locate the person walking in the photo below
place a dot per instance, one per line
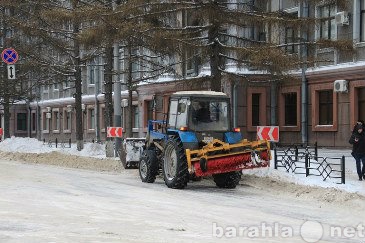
(357, 140)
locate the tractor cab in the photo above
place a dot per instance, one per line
(206, 113)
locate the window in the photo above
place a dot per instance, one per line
(206, 115)
(92, 72)
(34, 122)
(357, 100)
(325, 107)
(21, 121)
(327, 22)
(178, 113)
(290, 39)
(255, 110)
(67, 83)
(290, 100)
(91, 119)
(45, 119)
(136, 119)
(135, 63)
(56, 120)
(172, 112)
(67, 121)
(362, 20)
(149, 110)
(289, 108)
(192, 60)
(256, 105)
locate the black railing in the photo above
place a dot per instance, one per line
(58, 144)
(304, 159)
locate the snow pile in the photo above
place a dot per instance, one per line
(25, 145)
(32, 145)
(90, 150)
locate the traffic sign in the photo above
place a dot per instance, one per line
(270, 133)
(11, 71)
(114, 132)
(1, 131)
(9, 56)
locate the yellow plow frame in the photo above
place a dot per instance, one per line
(218, 149)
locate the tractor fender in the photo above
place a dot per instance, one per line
(188, 138)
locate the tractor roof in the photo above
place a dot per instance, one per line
(200, 93)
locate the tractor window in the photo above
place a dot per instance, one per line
(173, 113)
(178, 113)
(209, 115)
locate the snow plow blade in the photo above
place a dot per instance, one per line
(218, 157)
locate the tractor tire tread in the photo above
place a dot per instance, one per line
(182, 173)
(152, 166)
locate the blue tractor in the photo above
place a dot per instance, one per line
(197, 140)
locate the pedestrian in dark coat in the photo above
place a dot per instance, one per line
(357, 140)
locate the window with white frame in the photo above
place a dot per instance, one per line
(92, 72)
(67, 121)
(136, 116)
(327, 22)
(291, 37)
(45, 119)
(56, 121)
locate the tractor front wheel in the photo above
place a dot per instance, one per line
(227, 180)
(148, 166)
(175, 166)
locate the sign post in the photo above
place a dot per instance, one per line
(270, 133)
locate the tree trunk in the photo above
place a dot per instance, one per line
(108, 77)
(129, 130)
(78, 88)
(108, 86)
(6, 118)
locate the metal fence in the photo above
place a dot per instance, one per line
(58, 143)
(304, 159)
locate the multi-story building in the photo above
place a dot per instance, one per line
(335, 96)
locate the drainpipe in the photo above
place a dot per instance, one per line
(304, 100)
(273, 101)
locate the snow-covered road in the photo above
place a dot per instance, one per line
(41, 203)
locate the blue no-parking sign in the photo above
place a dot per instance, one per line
(9, 56)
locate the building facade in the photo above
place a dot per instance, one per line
(334, 101)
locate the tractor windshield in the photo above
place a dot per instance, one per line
(207, 115)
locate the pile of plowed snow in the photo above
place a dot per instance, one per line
(92, 157)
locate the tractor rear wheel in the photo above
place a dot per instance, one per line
(227, 180)
(175, 165)
(148, 166)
